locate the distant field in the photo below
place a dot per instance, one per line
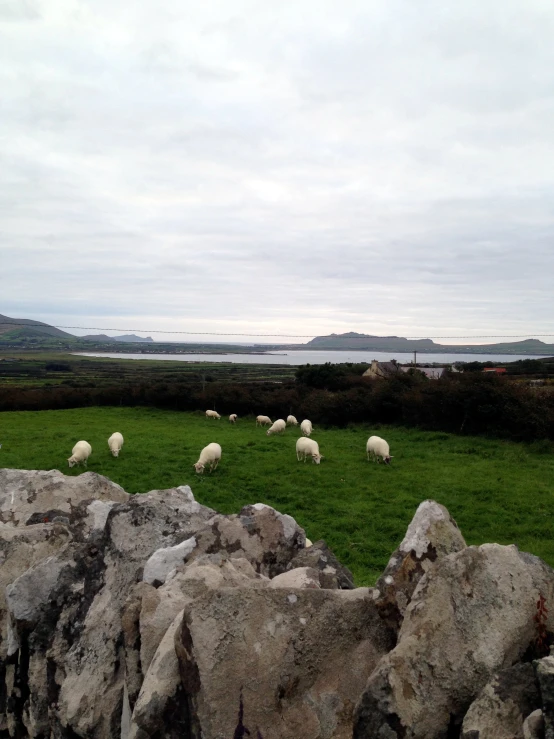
(51, 369)
(497, 491)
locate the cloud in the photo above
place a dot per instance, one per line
(303, 167)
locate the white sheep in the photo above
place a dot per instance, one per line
(378, 447)
(115, 442)
(308, 448)
(233, 418)
(210, 455)
(306, 427)
(213, 414)
(277, 427)
(80, 453)
(263, 421)
(291, 421)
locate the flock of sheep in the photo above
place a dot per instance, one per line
(211, 454)
(305, 447)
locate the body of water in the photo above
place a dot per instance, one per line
(292, 356)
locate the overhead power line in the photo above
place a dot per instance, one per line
(281, 336)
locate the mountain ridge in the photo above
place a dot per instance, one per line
(32, 331)
(352, 341)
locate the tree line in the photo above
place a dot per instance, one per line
(334, 395)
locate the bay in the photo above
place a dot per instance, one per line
(297, 357)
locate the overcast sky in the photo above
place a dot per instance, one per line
(302, 166)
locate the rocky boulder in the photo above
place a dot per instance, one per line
(470, 616)
(38, 496)
(278, 663)
(269, 540)
(161, 693)
(431, 535)
(501, 707)
(66, 585)
(533, 726)
(332, 574)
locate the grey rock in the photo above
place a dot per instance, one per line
(160, 605)
(268, 539)
(544, 670)
(469, 617)
(301, 577)
(160, 564)
(130, 625)
(37, 496)
(161, 709)
(90, 699)
(499, 710)
(69, 619)
(431, 535)
(31, 592)
(533, 726)
(20, 550)
(284, 663)
(332, 574)
(99, 511)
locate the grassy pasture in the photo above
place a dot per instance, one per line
(497, 491)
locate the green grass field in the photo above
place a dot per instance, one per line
(497, 491)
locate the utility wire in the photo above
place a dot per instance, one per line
(282, 336)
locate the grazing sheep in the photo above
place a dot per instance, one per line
(210, 455)
(263, 421)
(80, 453)
(378, 447)
(277, 427)
(115, 442)
(291, 421)
(306, 427)
(233, 418)
(213, 414)
(308, 448)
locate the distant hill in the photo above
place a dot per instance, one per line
(97, 337)
(22, 330)
(130, 338)
(352, 340)
(134, 338)
(8, 324)
(364, 342)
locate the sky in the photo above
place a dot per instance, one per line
(293, 167)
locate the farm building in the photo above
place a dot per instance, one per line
(382, 369)
(388, 369)
(498, 370)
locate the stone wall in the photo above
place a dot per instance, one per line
(152, 616)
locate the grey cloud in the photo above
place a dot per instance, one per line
(369, 166)
(18, 10)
